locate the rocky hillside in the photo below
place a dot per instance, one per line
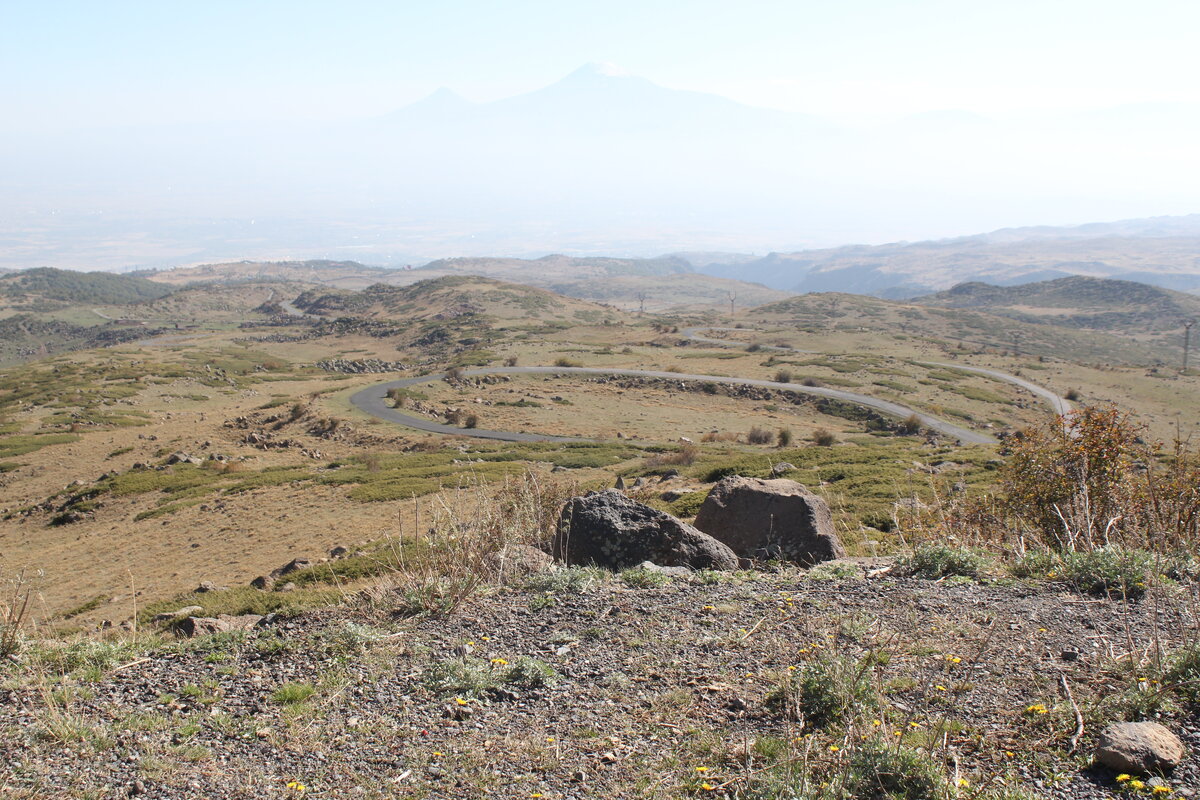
(1077, 301)
(34, 286)
(452, 297)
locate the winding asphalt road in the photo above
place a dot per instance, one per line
(1058, 404)
(373, 400)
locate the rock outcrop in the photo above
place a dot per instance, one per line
(770, 519)
(609, 530)
(1139, 748)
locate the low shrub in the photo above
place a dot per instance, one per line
(934, 561)
(827, 691)
(759, 435)
(897, 772)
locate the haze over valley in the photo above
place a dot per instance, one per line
(805, 411)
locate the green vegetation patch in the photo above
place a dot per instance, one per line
(20, 445)
(861, 481)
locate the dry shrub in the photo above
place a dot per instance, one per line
(471, 421)
(684, 456)
(719, 436)
(823, 438)
(759, 435)
(453, 416)
(14, 605)
(450, 555)
(1081, 483)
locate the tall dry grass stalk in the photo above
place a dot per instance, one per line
(14, 610)
(468, 540)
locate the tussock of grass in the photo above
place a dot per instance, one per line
(936, 561)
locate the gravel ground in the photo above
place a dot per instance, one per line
(651, 684)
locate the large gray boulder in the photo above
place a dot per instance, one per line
(770, 519)
(609, 530)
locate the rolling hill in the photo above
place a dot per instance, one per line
(656, 284)
(351, 274)
(1077, 302)
(1162, 251)
(453, 297)
(67, 286)
(970, 328)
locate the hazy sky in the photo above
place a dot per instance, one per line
(88, 62)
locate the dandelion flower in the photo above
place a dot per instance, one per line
(877, 722)
(940, 688)
(1136, 785)
(964, 783)
(1037, 708)
(701, 769)
(460, 701)
(499, 661)
(706, 786)
(1160, 789)
(833, 748)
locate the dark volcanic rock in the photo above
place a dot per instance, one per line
(770, 519)
(610, 530)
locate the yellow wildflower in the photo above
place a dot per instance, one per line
(499, 661)
(460, 701)
(1160, 789)
(1136, 785)
(701, 769)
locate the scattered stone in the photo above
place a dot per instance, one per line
(770, 519)
(671, 495)
(671, 572)
(290, 567)
(207, 586)
(519, 560)
(264, 582)
(782, 468)
(339, 552)
(1139, 748)
(222, 623)
(610, 530)
(290, 586)
(620, 484)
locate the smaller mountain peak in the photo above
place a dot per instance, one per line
(445, 96)
(597, 72)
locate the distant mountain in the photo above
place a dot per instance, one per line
(650, 284)
(452, 297)
(1077, 302)
(313, 271)
(68, 286)
(597, 162)
(1164, 251)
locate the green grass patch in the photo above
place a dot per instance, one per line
(21, 445)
